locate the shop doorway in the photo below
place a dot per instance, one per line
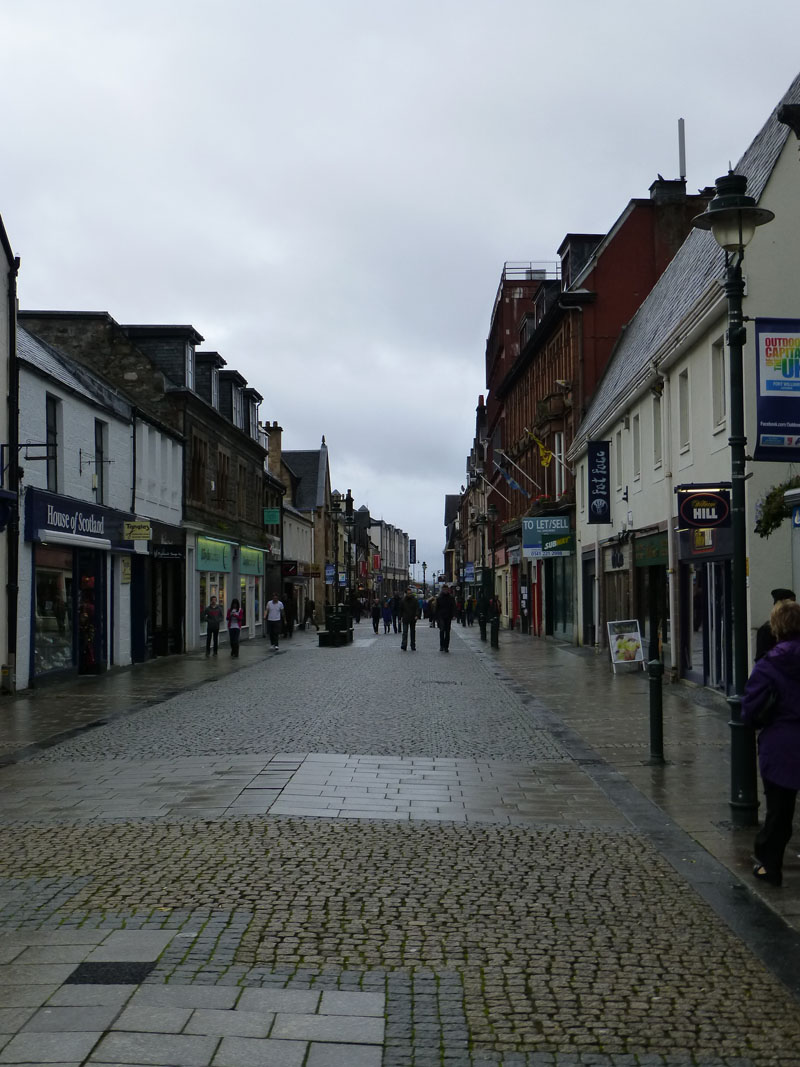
(91, 611)
(706, 645)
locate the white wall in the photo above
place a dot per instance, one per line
(159, 475)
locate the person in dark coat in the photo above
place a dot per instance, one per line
(212, 617)
(779, 740)
(396, 612)
(410, 612)
(386, 612)
(765, 639)
(445, 610)
(376, 615)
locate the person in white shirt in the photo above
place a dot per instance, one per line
(273, 617)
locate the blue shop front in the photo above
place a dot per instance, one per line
(79, 570)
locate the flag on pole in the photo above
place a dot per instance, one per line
(545, 455)
(511, 482)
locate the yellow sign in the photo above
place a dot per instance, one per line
(125, 570)
(136, 531)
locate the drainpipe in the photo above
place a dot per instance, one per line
(12, 530)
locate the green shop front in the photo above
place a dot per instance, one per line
(227, 570)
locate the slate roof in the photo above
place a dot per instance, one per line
(452, 503)
(310, 467)
(48, 360)
(698, 264)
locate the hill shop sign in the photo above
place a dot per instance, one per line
(703, 508)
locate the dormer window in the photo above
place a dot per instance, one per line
(237, 408)
(189, 366)
(254, 420)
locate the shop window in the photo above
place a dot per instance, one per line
(198, 469)
(558, 456)
(53, 619)
(223, 479)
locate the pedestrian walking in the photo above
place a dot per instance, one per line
(212, 617)
(771, 703)
(409, 613)
(396, 612)
(470, 611)
(386, 612)
(235, 619)
(445, 610)
(765, 638)
(273, 617)
(309, 618)
(376, 615)
(432, 612)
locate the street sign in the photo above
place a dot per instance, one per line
(272, 516)
(136, 531)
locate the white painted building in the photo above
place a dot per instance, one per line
(8, 502)
(663, 407)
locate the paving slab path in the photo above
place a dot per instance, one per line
(364, 856)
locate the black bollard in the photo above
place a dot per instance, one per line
(482, 624)
(655, 668)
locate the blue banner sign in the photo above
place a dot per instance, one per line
(778, 390)
(599, 481)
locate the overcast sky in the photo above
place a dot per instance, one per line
(327, 190)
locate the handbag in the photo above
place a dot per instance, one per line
(767, 710)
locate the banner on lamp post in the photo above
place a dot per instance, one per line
(777, 390)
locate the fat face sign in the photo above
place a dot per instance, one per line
(700, 508)
(599, 482)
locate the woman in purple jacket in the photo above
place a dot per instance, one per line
(779, 740)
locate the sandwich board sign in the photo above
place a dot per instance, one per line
(625, 643)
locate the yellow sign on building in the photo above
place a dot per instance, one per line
(136, 531)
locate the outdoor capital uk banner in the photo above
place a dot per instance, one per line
(777, 390)
(599, 479)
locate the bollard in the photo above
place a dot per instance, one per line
(495, 627)
(655, 668)
(482, 624)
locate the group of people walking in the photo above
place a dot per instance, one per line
(400, 614)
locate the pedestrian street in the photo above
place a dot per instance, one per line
(359, 856)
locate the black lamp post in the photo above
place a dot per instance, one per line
(336, 512)
(424, 569)
(494, 617)
(732, 217)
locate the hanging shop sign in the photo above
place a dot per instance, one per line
(124, 570)
(469, 573)
(703, 507)
(547, 536)
(213, 555)
(272, 516)
(777, 390)
(329, 573)
(412, 550)
(599, 465)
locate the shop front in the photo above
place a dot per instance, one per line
(251, 589)
(214, 576)
(157, 594)
(550, 541)
(73, 555)
(650, 564)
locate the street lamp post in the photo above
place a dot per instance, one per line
(336, 511)
(494, 618)
(424, 569)
(732, 217)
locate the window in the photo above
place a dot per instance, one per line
(719, 407)
(198, 469)
(683, 410)
(190, 366)
(100, 452)
(223, 479)
(237, 408)
(558, 463)
(52, 417)
(254, 420)
(215, 387)
(241, 491)
(657, 431)
(618, 454)
(637, 449)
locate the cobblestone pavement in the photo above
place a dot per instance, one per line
(361, 856)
